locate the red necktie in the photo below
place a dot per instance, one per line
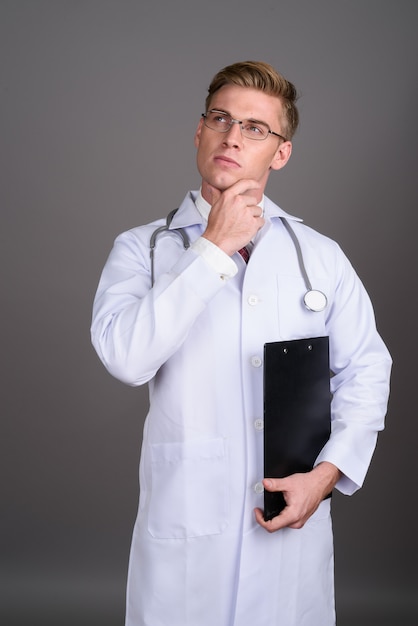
(244, 253)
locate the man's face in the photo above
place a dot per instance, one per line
(225, 158)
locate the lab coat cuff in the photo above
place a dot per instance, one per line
(215, 257)
(353, 473)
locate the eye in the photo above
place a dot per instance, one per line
(254, 128)
(219, 118)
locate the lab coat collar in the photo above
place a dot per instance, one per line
(272, 210)
(187, 214)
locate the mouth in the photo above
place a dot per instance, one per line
(221, 159)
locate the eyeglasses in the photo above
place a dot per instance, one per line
(251, 129)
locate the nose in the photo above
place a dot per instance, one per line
(233, 136)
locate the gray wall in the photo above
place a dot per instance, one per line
(99, 103)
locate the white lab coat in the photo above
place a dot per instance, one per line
(198, 557)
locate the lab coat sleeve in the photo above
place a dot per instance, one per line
(360, 364)
(136, 328)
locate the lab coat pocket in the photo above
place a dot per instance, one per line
(189, 489)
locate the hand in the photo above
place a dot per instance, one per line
(234, 218)
(303, 494)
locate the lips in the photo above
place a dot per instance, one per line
(221, 159)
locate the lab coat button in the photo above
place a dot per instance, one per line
(259, 424)
(256, 361)
(258, 487)
(253, 300)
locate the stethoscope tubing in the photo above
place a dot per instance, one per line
(314, 300)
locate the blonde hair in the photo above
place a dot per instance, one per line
(262, 76)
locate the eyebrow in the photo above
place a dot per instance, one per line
(249, 119)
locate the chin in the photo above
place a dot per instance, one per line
(222, 181)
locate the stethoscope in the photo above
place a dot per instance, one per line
(314, 300)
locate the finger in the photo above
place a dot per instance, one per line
(245, 187)
(280, 521)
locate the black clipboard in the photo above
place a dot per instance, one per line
(297, 410)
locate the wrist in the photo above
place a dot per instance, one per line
(327, 474)
(221, 244)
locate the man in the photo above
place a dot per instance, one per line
(193, 327)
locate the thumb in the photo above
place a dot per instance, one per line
(274, 484)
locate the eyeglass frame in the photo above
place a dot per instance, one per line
(234, 121)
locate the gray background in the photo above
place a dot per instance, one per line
(99, 103)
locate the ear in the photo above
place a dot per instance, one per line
(281, 156)
(198, 133)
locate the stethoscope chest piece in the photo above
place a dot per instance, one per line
(315, 300)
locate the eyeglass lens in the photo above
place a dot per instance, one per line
(222, 122)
